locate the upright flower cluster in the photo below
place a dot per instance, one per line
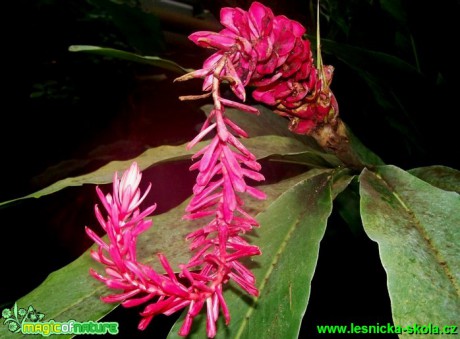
(269, 53)
(217, 258)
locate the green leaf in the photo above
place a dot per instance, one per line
(291, 229)
(443, 177)
(261, 147)
(347, 204)
(124, 55)
(342, 180)
(416, 226)
(310, 158)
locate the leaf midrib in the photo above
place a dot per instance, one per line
(418, 226)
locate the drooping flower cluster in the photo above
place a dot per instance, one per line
(255, 48)
(270, 53)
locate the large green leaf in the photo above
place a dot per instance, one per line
(289, 236)
(416, 226)
(443, 177)
(261, 147)
(310, 158)
(124, 55)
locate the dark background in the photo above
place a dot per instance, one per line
(66, 113)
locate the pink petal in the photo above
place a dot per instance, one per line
(256, 193)
(223, 304)
(266, 81)
(205, 161)
(236, 84)
(261, 17)
(226, 18)
(290, 67)
(236, 20)
(138, 301)
(297, 29)
(211, 320)
(210, 62)
(236, 128)
(200, 136)
(212, 40)
(248, 287)
(240, 106)
(234, 166)
(116, 298)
